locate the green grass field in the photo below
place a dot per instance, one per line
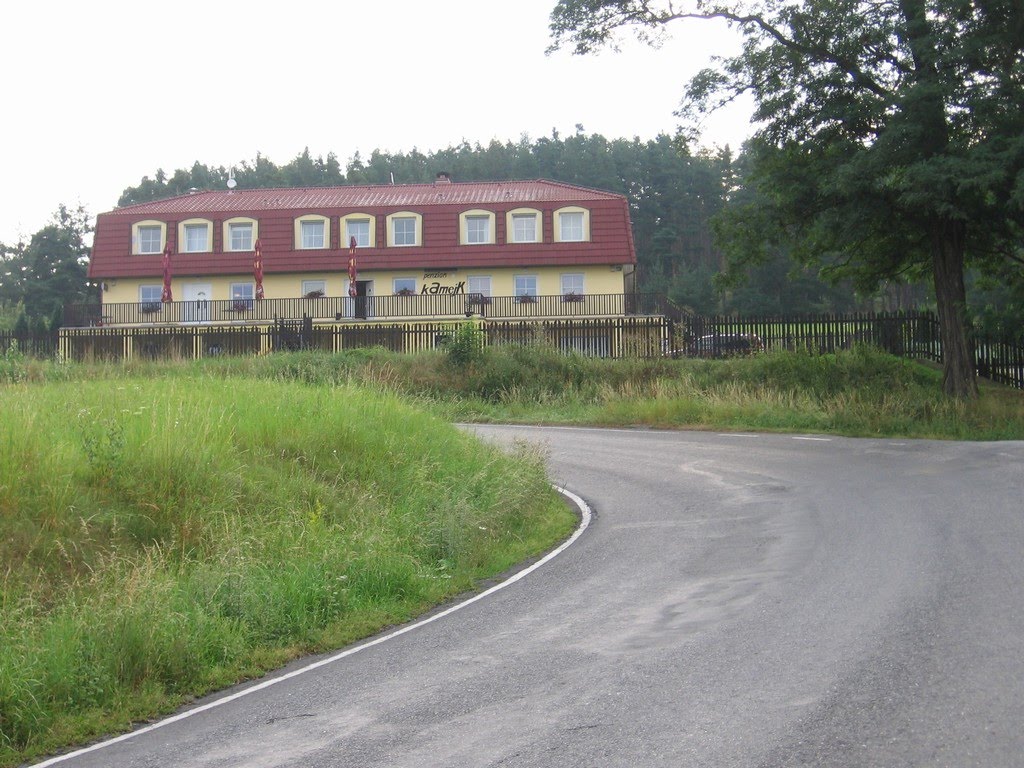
(166, 535)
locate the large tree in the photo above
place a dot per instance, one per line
(51, 269)
(890, 133)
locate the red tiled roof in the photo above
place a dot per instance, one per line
(439, 203)
(391, 195)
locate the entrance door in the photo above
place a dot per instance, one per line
(364, 290)
(197, 302)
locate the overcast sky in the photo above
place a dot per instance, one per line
(99, 94)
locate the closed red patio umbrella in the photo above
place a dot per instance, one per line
(166, 297)
(352, 291)
(257, 270)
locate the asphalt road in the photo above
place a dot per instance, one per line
(737, 600)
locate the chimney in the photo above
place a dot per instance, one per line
(443, 178)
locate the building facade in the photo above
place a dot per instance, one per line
(361, 265)
(523, 239)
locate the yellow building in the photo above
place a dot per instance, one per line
(524, 251)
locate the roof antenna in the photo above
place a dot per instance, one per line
(231, 180)
(392, 177)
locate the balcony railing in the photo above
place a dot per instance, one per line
(416, 306)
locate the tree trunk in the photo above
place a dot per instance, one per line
(958, 378)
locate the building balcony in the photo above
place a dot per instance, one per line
(367, 308)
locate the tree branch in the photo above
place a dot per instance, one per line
(818, 53)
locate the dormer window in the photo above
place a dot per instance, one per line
(312, 232)
(404, 229)
(240, 234)
(196, 240)
(361, 227)
(149, 237)
(572, 225)
(476, 227)
(522, 225)
(358, 230)
(195, 236)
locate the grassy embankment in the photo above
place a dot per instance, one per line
(170, 533)
(859, 393)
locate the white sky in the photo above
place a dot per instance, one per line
(99, 94)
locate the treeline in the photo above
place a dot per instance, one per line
(674, 196)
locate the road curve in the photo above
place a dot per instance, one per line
(739, 600)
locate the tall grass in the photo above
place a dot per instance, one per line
(855, 392)
(859, 392)
(164, 536)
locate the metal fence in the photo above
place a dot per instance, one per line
(381, 308)
(912, 334)
(906, 334)
(33, 346)
(597, 337)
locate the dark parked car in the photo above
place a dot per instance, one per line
(717, 345)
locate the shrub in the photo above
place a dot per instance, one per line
(465, 345)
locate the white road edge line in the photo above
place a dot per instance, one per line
(585, 518)
(818, 439)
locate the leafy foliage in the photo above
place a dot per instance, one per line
(40, 276)
(466, 345)
(891, 140)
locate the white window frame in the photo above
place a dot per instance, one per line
(475, 216)
(243, 292)
(565, 234)
(312, 218)
(398, 283)
(151, 297)
(361, 217)
(147, 242)
(517, 215)
(479, 284)
(309, 286)
(478, 230)
(196, 239)
(572, 282)
(229, 229)
(525, 285)
(404, 217)
(314, 235)
(363, 239)
(148, 227)
(240, 237)
(191, 226)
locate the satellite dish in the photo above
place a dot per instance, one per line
(232, 183)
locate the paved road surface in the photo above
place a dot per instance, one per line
(737, 601)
